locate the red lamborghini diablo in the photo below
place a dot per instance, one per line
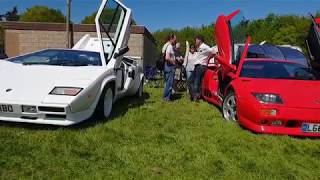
(266, 89)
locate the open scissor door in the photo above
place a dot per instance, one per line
(313, 42)
(113, 23)
(230, 32)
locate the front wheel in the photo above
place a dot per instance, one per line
(108, 103)
(229, 107)
(139, 93)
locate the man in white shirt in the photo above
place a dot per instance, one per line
(205, 53)
(169, 67)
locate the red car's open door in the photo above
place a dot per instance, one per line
(230, 33)
(313, 43)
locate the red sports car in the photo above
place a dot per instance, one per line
(266, 89)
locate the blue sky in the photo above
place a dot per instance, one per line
(158, 14)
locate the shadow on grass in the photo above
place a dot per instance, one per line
(176, 96)
(120, 108)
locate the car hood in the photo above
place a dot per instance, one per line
(34, 82)
(294, 93)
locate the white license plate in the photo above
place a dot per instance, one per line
(312, 128)
(6, 108)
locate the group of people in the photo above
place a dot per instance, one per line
(195, 63)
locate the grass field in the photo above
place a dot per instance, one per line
(150, 139)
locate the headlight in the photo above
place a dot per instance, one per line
(66, 91)
(268, 98)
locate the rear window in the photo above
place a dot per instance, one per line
(294, 55)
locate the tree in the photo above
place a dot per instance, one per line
(106, 16)
(12, 15)
(42, 14)
(185, 34)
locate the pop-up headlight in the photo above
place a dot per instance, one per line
(66, 91)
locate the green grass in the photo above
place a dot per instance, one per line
(151, 139)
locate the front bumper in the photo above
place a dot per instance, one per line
(52, 114)
(291, 118)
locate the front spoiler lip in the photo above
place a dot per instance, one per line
(40, 121)
(295, 131)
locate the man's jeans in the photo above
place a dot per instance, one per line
(169, 78)
(189, 73)
(199, 71)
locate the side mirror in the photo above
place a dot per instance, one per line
(121, 52)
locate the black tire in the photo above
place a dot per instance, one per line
(139, 93)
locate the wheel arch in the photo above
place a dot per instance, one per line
(108, 82)
(229, 88)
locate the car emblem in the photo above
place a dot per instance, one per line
(8, 90)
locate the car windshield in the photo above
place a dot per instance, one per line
(277, 70)
(59, 58)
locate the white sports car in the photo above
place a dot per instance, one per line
(66, 86)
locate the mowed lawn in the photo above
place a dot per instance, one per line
(151, 139)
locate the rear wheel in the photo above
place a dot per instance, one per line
(229, 107)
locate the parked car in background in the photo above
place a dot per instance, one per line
(67, 86)
(266, 89)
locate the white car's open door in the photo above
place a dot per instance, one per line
(113, 22)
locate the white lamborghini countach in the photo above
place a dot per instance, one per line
(67, 86)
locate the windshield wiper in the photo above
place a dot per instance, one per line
(35, 63)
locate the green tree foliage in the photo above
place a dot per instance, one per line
(185, 34)
(42, 14)
(287, 29)
(274, 29)
(106, 16)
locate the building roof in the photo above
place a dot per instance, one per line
(40, 26)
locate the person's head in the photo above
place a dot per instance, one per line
(177, 46)
(172, 38)
(192, 49)
(199, 40)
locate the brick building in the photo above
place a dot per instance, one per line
(23, 38)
